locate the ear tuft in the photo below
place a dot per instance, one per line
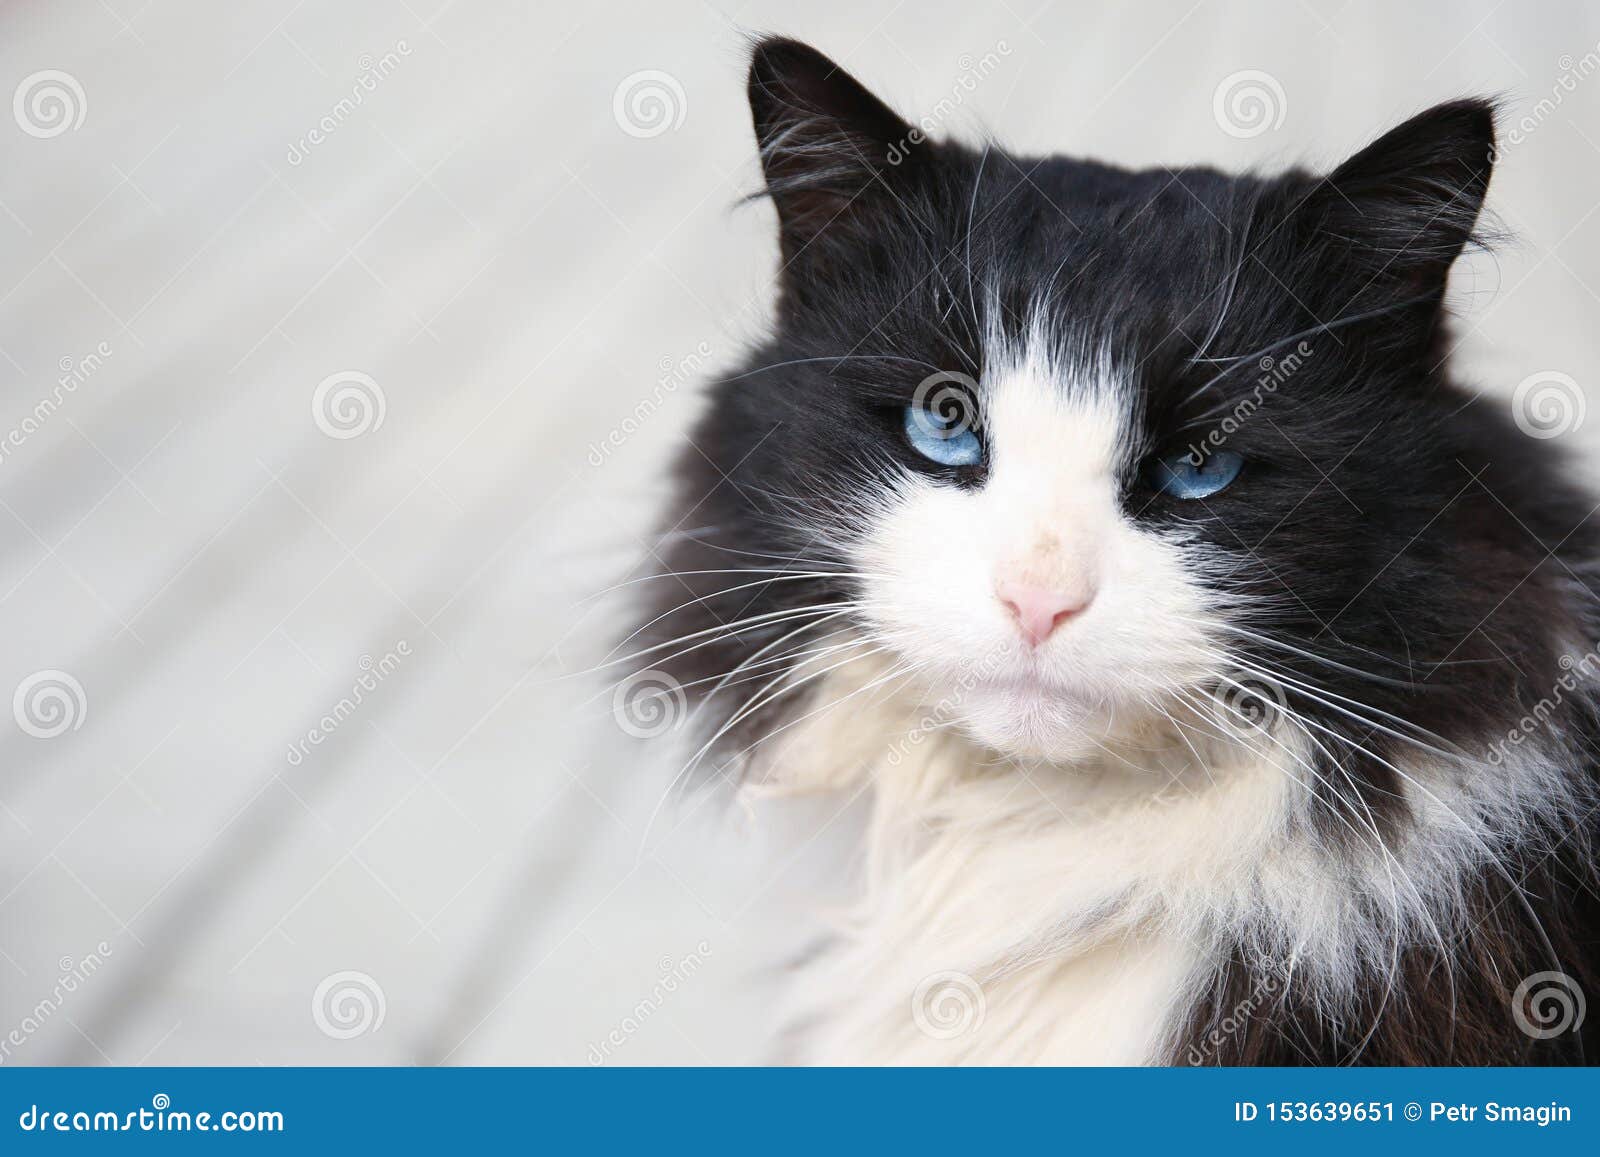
(824, 138)
(1403, 207)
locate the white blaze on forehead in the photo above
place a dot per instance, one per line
(1075, 427)
(1058, 435)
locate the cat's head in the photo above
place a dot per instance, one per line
(1068, 447)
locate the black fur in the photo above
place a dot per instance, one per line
(1407, 532)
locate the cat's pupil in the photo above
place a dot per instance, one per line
(948, 413)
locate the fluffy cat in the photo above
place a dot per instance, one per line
(1122, 533)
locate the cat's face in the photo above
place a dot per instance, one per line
(1076, 448)
(1031, 588)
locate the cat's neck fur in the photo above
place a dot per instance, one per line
(1080, 914)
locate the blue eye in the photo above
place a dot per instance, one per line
(947, 440)
(1178, 476)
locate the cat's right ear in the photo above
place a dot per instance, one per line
(829, 148)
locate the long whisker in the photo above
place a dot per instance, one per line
(836, 359)
(1236, 272)
(1490, 857)
(1516, 886)
(972, 208)
(754, 703)
(689, 603)
(1238, 360)
(1299, 759)
(779, 574)
(1390, 861)
(1280, 644)
(711, 635)
(900, 670)
(1325, 697)
(776, 642)
(782, 657)
(699, 536)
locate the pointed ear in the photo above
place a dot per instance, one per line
(825, 140)
(1400, 210)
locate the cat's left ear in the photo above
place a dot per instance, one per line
(829, 148)
(1398, 213)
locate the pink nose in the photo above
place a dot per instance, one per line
(1039, 610)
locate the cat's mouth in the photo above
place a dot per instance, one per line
(1034, 678)
(1031, 704)
(1030, 709)
(1041, 689)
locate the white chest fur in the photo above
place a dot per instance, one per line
(1047, 913)
(1105, 1005)
(1017, 914)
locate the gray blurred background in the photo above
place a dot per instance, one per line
(378, 323)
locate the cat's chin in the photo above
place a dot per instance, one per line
(1032, 723)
